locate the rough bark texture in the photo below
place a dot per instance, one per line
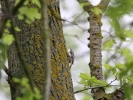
(61, 83)
(31, 41)
(95, 38)
(95, 49)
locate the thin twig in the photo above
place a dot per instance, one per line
(64, 20)
(3, 27)
(15, 9)
(78, 15)
(6, 15)
(93, 88)
(5, 69)
(97, 86)
(111, 82)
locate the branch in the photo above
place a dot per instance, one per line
(111, 82)
(19, 49)
(5, 16)
(3, 26)
(5, 69)
(85, 4)
(15, 9)
(97, 86)
(93, 88)
(46, 49)
(103, 4)
(83, 1)
(55, 14)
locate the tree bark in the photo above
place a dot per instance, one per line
(30, 40)
(95, 44)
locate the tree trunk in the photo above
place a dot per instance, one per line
(31, 42)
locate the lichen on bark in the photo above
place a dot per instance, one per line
(95, 64)
(31, 42)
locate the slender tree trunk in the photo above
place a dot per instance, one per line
(30, 40)
(95, 13)
(95, 38)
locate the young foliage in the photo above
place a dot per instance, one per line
(37, 2)
(89, 81)
(117, 10)
(128, 91)
(5, 42)
(29, 13)
(27, 92)
(7, 38)
(3, 56)
(108, 45)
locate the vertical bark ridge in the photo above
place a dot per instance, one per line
(61, 81)
(31, 41)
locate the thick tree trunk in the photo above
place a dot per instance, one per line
(31, 42)
(61, 82)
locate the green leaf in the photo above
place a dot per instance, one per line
(84, 76)
(26, 2)
(87, 97)
(3, 56)
(16, 2)
(20, 17)
(1, 64)
(8, 23)
(27, 92)
(130, 79)
(17, 29)
(6, 31)
(28, 21)
(37, 94)
(16, 80)
(93, 79)
(114, 71)
(24, 10)
(108, 45)
(116, 11)
(8, 38)
(30, 13)
(107, 66)
(84, 82)
(126, 52)
(128, 92)
(24, 82)
(101, 83)
(85, 79)
(128, 33)
(96, 82)
(119, 66)
(37, 2)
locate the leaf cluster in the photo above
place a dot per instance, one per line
(117, 10)
(29, 13)
(89, 81)
(26, 90)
